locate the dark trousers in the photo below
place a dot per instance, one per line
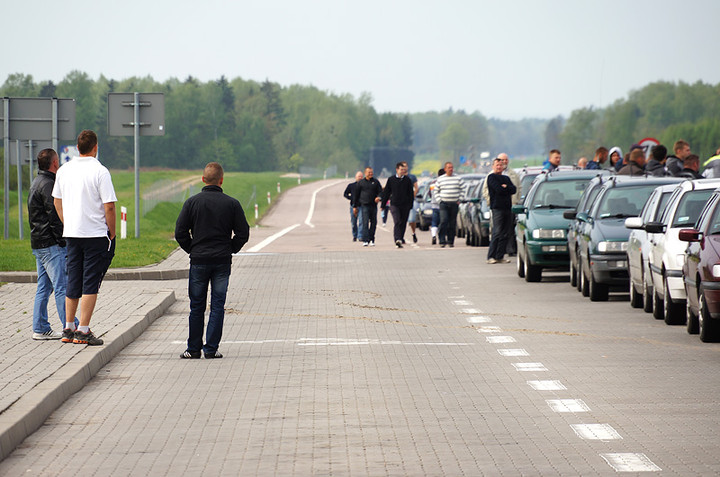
(217, 277)
(502, 221)
(448, 222)
(400, 218)
(367, 222)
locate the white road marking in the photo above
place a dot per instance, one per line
(596, 432)
(337, 342)
(489, 329)
(567, 405)
(529, 367)
(470, 311)
(500, 339)
(479, 319)
(547, 385)
(462, 303)
(513, 352)
(458, 296)
(630, 462)
(272, 238)
(311, 210)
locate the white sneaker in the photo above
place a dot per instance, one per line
(365, 244)
(372, 244)
(504, 260)
(48, 335)
(491, 260)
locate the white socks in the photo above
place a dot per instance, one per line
(70, 325)
(84, 329)
(433, 231)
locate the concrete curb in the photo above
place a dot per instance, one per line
(112, 274)
(28, 413)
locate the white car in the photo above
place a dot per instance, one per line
(641, 290)
(667, 254)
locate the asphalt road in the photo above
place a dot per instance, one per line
(344, 360)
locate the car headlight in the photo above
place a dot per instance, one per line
(486, 215)
(548, 233)
(427, 212)
(612, 247)
(716, 271)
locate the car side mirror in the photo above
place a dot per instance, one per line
(633, 223)
(655, 228)
(689, 235)
(584, 217)
(570, 214)
(519, 209)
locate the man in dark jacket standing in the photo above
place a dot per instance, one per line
(691, 168)
(211, 227)
(364, 202)
(501, 190)
(399, 190)
(656, 165)
(348, 194)
(636, 164)
(48, 246)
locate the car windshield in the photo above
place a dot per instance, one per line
(558, 194)
(689, 207)
(620, 202)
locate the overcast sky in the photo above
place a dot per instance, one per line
(506, 59)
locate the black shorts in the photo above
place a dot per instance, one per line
(87, 261)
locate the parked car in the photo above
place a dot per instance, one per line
(477, 223)
(592, 189)
(667, 253)
(701, 272)
(638, 253)
(541, 230)
(469, 190)
(424, 207)
(527, 175)
(602, 236)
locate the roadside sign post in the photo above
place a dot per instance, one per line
(136, 114)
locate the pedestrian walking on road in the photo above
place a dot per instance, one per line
(412, 218)
(399, 192)
(367, 196)
(448, 189)
(211, 227)
(48, 247)
(435, 206)
(85, 202)
(348, 194)
(501, 189)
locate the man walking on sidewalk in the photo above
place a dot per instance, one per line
(348, 194)
(85, 202)
(364, 202)
(211, 227)
(48, 246)
(448, 189)
(399, 190)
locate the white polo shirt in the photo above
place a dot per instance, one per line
(84, 185)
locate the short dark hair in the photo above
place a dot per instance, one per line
(441, 172)
(213, 173)
(399, 165)
(691, 159)
(86, 141)
(659, 152)
(554, 151)
(636, 154)
(45, 158)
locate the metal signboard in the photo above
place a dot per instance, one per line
(121, 114)
(35, 118)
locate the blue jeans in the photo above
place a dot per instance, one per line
(354, 222)
(217, 276)
(52, 276)
(367, 216)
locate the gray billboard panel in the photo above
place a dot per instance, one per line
(37, 146)
(32, 118)
(121, 114)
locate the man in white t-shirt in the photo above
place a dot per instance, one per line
(85, 202)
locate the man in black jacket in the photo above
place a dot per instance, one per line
(399, 190)
(501, 190)
(48, 246)
(367, 195)
(348, 194)
(211, 227)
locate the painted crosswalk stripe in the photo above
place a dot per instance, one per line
(489, 329)
(548, 385)
(630, 462)
(479, 319)
(597, 432)
(513, 352)
(500, 339)
(529, 366)
(568, 405)
(470, 311)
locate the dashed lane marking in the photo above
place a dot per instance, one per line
(630, 462)
(500, 339)
(479, 319)
(526, 367)
(568, 405)
(513, 352)
(597, 432)
(548, 385)
(489, 329)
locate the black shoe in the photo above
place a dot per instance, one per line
(398, 243)
(215, 355)
(442, 244)
(434, 240)
(414, 238)
(354, 239)
(88, 338)
(403, 241)
(451, 245)
(190, 355)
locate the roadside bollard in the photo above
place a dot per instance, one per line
(123, 222)
(278, 187)
(256, 211)
(298, 179)
(268, 198)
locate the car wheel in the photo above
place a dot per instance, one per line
(520, 266)
(636, 299)
(647, 296)
(533, 273)
(579, 274)
(708, 327)
(691, 318)
(583, 282)
(674, 312)
(598, 291)
(658, 308)
(468, 242)
(573, 276)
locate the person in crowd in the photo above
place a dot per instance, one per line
(84, 199)
(515, 179)
(367, 195)
(674, 163)
(635, 165)
(712, 165)
(210, 228)
(582, 163)
(448, 188)
(399, 192)
(553, 161)
(412, 218)
(656, 165)
(48, 247)
(615, 156)
(599, 159)
(348, 194)
(501, 189)
(435, 206)
(691, 168)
